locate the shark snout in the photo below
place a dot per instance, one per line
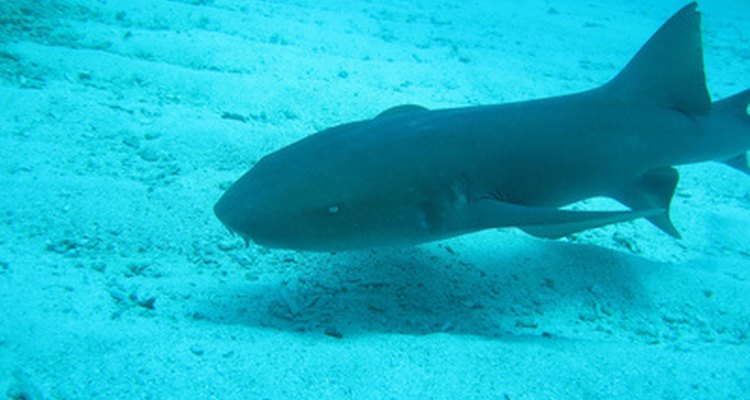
(251, 212)
(236, 211)
(225, 212)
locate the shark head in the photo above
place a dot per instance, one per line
(276, 206)
(299, 198)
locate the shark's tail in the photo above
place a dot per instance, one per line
(668, 72)
(737, 107)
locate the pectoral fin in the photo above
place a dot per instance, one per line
(578, 221)
(540, 221)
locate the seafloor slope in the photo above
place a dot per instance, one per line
(122, 121)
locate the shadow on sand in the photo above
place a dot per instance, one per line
(537, 290)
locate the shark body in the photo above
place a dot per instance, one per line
(412, 175)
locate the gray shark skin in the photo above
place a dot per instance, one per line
(412, 175)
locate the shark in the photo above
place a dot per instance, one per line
(412, 175)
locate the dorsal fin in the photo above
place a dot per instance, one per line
(402, 109)
(668, 69)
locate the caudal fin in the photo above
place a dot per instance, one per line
(668, 69)
(738, 106)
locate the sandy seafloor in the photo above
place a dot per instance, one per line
(123, 121)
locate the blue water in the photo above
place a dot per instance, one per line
(124, 122)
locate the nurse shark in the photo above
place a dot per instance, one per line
(412, 175)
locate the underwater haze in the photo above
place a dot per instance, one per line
(123, 122)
